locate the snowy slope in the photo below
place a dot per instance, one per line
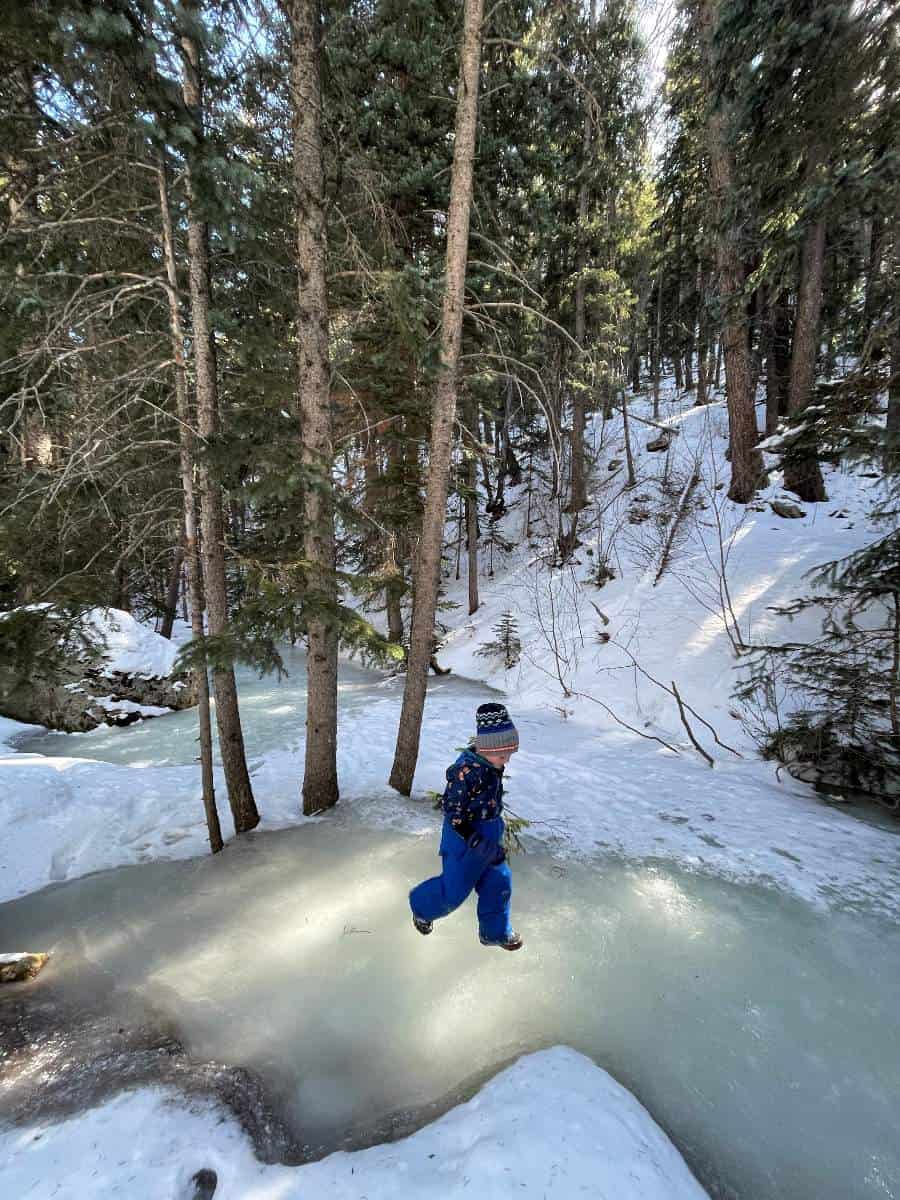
(552, 1125)
(674, 626)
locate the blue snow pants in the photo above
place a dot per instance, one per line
(465, 869)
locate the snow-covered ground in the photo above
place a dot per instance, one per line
(552, 1125)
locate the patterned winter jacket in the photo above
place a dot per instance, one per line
(474, 793)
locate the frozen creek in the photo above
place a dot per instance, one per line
(759, 1032)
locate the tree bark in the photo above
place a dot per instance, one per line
(746, 463)
(428, 567)
(778, 361)
(189, 547)
(171, 607)
(892, 460)
(702, 338)
(231, 737)
(320, 786)
(578, 494)
(657, 343)
(873, 273)
(801, 473)
(472, 511)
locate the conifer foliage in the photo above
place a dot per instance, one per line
(299, 300)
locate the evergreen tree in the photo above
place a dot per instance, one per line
(505, 644)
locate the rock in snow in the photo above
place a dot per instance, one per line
(786, 509)
(14, 968)
(553, 1125)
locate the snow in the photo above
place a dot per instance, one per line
(112, 704)
(130, 647)
(127, 645)
(552, 1125)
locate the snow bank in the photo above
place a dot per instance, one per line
(130, 647)
(553, 1125)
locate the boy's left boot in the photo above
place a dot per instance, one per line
(512, 941)
(423, 927)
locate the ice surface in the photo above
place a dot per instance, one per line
(759, 1033)
(553, 1123)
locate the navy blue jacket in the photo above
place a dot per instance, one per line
(474, 793)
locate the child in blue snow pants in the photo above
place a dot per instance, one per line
(471, 848)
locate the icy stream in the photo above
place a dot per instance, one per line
(760, 1032)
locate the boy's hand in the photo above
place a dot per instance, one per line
(492, 852)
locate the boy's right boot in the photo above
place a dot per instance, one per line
(512, 941)
(423, 927)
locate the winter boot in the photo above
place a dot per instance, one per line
(511, 942)
(424, 927)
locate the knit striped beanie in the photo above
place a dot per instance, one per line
(494, 729)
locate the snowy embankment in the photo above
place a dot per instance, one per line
(552, 1125)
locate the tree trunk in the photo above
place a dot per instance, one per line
(472, 512)
(171, 608)
(678, 340)
(801, 472)
(746, 463)
(702, 338)
(778, 363)
(397, 545)
(578, 494)
(892, 461)
(635, 366)
(231, 738)
(428, 567)
(657, 362)
(873, 274)
(190, 549)
(320, 785)
(629, 457)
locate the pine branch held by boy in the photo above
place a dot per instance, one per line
(471, 848)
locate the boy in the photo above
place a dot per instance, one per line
(471, 847)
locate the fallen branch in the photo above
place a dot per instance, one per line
(675, 525)
(648, 736)
(703, 721)
(687, 726)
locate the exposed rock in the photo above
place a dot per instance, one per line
(72, 1039)
(95, 676)
(784, 508)
(663, 442)
(14, 968)
(205, 1183)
